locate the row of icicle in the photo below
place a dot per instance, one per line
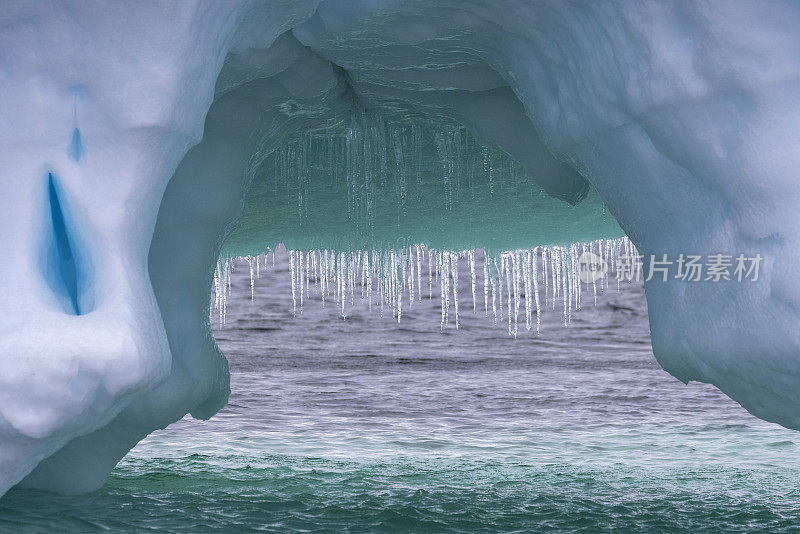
(511, 284)
(371, 157)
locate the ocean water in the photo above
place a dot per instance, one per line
(366, 425)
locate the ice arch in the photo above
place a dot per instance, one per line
(129, 135)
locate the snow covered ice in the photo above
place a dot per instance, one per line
(141, 143)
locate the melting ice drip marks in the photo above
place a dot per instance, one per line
(376, 159)
(516, 286)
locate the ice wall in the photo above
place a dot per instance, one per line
(129, 135)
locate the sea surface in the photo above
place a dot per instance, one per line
(367, 425)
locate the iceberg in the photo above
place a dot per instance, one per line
(140, 142)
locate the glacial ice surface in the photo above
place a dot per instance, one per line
(131, 135)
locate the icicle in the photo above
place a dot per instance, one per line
(509, 280)
(443, 292)
(336, 274)
(545, 255)
(410, 276)
(300, 281)
(500, 280)
(515, 268)
(485, 287)
(430, 276)
(471, 254)
(494, 301)
(419, 273)
(526, 276)
(323, 275)
(342, 282)
(291, 269)
(536, 290)
(308, 274)
(249, 260)
(562, 272)
(314, 263)
(454, 270)
(400, 288)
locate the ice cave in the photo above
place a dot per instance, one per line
(142, 144)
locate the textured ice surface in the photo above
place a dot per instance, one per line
(129, 135)
(399, 178)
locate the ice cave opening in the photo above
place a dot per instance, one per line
(387, 198)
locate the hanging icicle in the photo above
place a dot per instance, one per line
(384, 278)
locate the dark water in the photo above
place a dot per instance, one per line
(367, 425)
